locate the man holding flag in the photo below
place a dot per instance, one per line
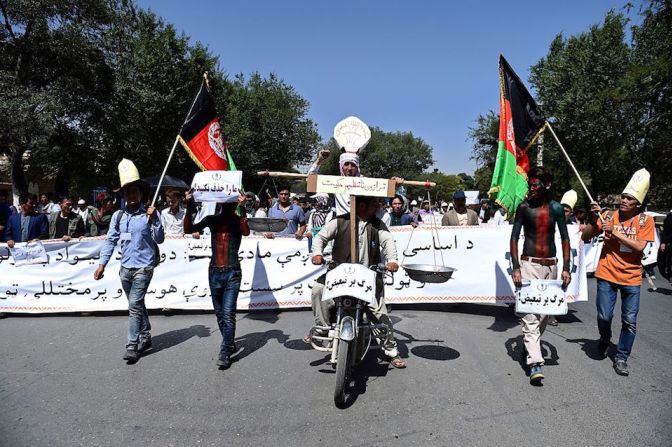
(521, 122)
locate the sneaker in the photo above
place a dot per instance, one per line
(603, 348)
(621, 367)
(131, 355)
(536, 375)
(232, 349)
(224, 361)
(145, 344)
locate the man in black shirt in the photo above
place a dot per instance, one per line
(66, 224)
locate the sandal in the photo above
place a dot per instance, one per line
(397, 362)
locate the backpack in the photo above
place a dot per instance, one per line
(157, 251)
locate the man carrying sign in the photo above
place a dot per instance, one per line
(538, 216)
(224, 274)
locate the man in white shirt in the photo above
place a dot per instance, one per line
(172, 218)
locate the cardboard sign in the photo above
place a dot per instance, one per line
(353, 280)
(543, 297)
(217, 186)
(354, 186)
(29, 253)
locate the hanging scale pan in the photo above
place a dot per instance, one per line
(428, 273)
(267, 224)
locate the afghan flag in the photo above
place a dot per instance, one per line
(201, 134)
(521, 121)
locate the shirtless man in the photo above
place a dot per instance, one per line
(538, 217)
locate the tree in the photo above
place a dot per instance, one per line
(388, 154)
(446, 185)
(467, 182)
(266, 126)
(53, 77)
(577, 83)
(609, 102)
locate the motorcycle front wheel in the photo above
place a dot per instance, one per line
(343, 362)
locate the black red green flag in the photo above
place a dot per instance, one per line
(521, 121)
(201, 134)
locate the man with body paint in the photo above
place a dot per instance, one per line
(538, 217)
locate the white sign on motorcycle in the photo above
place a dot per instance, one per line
(217, 186)
(353, 280)
(543, 297)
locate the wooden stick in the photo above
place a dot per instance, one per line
(562, 148)
(165, 168)
(426, 184)
(354, 233)
(569, 160)
(281, 174)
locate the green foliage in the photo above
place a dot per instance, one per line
(446, 185)
(83, 84)
(610, 103)
(266, 126)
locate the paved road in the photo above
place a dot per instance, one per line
(63, 382)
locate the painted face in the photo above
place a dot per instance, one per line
(628, 203)
(536, 187)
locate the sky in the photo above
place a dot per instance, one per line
(428, 67)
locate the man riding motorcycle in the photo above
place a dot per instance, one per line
(373, 238)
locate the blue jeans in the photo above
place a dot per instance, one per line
(135, 282)
(606, 300)
(224, 287)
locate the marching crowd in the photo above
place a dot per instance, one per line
(128, 221)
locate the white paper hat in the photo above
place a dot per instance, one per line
(569, 198)
(128, 173)
(639, 185)
(352, 134)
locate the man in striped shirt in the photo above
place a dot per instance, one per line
(224, 274)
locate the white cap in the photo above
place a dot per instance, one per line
(569, 199)
(81, 202)
(638, 185)
(414, 203)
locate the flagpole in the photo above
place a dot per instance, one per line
(569, 160)
(177, 139)
(562, 148)
(165, 168)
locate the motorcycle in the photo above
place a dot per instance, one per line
(350, 334)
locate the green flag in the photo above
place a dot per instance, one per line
(520, 123)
